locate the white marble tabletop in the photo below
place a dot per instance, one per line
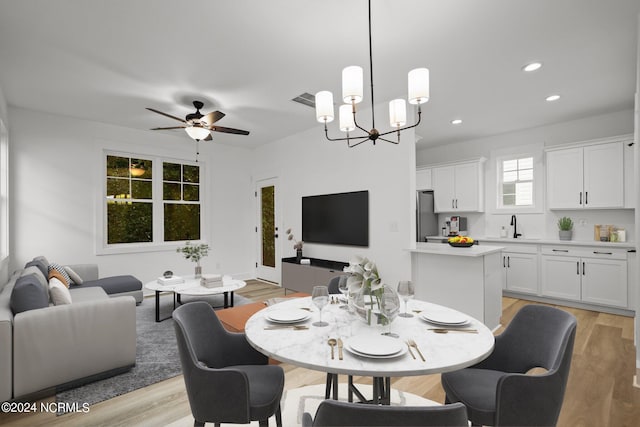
(192, 286)
(309, 349)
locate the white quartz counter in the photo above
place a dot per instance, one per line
(542, 241)
(446, 249)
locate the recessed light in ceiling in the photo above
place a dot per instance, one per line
(533, 66)
(456, 121)
(552, 98)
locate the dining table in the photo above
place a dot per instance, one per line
(443, 340)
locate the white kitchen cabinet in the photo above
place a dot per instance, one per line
(629, 181)
(521, 272)
(590, 176)
(459, 187)
(423, 179)
(590, 275)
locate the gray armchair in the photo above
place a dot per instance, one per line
(497, 391)
(226, 379)
(333, 413)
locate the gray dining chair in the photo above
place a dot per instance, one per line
(499, 392)
(333, 413)
(333, 285)
(227, 380)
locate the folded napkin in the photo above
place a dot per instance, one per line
(174, 280)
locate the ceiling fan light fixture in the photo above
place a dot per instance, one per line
(196, 132)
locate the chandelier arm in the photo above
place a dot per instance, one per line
(388, 140)
(347, 138)
(373, 115)
(355, 122)
(406, 127)
(358, 143)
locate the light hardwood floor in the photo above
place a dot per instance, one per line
(599, 392)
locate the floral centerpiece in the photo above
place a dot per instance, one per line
(195, 253)
(371, 294)
(297, 244)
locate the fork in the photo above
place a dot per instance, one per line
(411, 351)
(294, 327)
(413, 344)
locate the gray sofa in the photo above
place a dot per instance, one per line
(44, 348)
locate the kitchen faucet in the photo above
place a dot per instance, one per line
(515, 230)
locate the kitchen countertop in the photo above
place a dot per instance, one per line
(445, 249)
(541, 241)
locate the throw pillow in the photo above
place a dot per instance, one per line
(60, 277)
(60, 295)
(75, 277)
(60, 269)
(28, 294)
(44, 268)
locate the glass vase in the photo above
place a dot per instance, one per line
(198, 271)
(368, 304)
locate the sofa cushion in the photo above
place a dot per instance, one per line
(116, 284)
(28, 294)
(59, 291)
(44, 268)
(75, 277)
(60, 269)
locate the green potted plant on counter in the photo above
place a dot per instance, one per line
(565, 226)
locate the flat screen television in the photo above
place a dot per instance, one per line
(337, 219)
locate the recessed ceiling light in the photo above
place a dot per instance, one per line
(456, 121)
(551, 98)
(533, 66)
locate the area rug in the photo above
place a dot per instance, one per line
(156, 354)
(297, 401)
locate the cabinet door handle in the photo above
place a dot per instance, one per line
(503, 263)
(453, 205)
(560, 250)
(578, 268)
(456, 203)
(583, 268)
(586, 197)
(581, 197)
(602, 253)
(509, 261)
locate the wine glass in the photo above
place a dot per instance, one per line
(406, 290)
(389, 307)
(343, 287)
(320, 298)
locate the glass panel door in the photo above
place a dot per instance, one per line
(268, 265)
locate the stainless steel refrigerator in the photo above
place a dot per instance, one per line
(427, 220)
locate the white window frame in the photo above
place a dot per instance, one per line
(158, 243)
(538, 183)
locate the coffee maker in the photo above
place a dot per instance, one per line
(458, 226)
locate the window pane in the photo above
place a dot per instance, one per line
(118, 187)
(510, 165)
(117, 166)
(525, 175)
(524, 194)
(141, 189)
(181, 222)
(171, 172)
(129, 222)
(191, 192)
(510, 176)
(191, 173)
(141, 168)
(509, 188)
(508, 200)
(171, 191)
(525, 163)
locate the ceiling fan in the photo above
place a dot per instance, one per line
(199, 126)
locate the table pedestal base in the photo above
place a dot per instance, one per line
(381, 390)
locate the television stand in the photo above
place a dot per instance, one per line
(303, 277)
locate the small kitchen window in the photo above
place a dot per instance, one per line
(516, 182)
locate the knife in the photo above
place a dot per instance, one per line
(340, 348)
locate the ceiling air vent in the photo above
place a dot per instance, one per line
(306, 99)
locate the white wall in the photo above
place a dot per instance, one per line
(307, 164)
(541, 224)
(56, 187)
(4, 263)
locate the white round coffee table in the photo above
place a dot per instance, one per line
(192, 287)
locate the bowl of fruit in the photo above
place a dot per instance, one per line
(461, 241)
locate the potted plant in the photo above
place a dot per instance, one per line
(195, 253)
(565, 226)
(297, 245)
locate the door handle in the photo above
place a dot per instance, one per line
(503, 263)
(578, 268)
(508, 262)
(456, 203)
(452, 204)
(583, 269)
(586, 197)
(581, 197)
(275, 236)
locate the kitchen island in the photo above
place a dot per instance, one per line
(466, 279)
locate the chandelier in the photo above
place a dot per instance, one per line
(352, 94)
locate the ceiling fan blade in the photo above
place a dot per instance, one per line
(211, 118)
(208, 138)
(173, 127)
(229, 130)
(166, 115)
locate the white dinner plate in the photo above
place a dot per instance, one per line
(376, 345)
(290, 315)
(447, 318)
(371, 356)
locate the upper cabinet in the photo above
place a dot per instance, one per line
(458, 187)
(586, 177)
(423, 179)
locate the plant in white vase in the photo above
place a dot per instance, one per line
(195, 252)
(371, 292)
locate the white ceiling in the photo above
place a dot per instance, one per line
(106, 60)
